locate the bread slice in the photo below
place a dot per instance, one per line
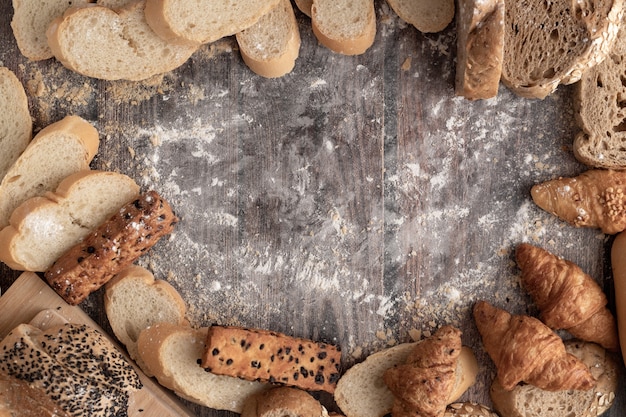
(361, 391)
(42, 228)
(58, 150)
(480, 47)
(283, 402)
(427, 16)
(304, 6)
(19, 399)
(172, 354)
(135, 300)
(552, 43)
(600, 109)
(183, 22)
(271, 46)
(345, 26)
(530, 401)
(120, 47)
(16, 125)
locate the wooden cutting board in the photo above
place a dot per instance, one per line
(31, 300)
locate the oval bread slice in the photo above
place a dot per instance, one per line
(427, 16)
(16, 126)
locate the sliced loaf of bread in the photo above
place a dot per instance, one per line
(16, 125)
(42, 228)
(58, 150)
(120, 47)
(271, 46)
(345, 26)
(548, 43)
(426, 15)
(480, 46)
(172, 354)
(186, 22)
(134, 300)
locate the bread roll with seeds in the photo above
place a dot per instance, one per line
(16, 125)
(18, 398)
(111, 247)
(283, 402)
(468, 409)
(261, 355)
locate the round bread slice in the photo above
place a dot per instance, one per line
(135, 300)
(44, 227)
(427, 16)
(529, 401)
(361, 391)
(283, 402)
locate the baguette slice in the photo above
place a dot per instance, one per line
(427, 16)
(44, 227)
(283, 402)
(172, 354)
(134, 300)
(120, 47)
(480, 47)
(345, 26)
(552, 43)
(271, 46)
(185, 23)
(361, 391)
(304, 6)
(60, 149)
(16, 126)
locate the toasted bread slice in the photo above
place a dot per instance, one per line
(16, 125)
(427, 16)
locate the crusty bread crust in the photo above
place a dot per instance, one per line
(283, 402)
(16, 124)
(304, 6)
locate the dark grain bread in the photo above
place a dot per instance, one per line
(548, 43)
(600, 109)
(111, 247)
(18, 398)
(273, 357)
(480, 46)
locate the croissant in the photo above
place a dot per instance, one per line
(595, 198)
(526, 350)
(567, 297)
(423, 384)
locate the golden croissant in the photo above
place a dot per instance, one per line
(526, 350)
(595, 198)
(567, 297)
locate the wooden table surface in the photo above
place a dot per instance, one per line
(355, 200)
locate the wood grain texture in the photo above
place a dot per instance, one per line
(355, 200)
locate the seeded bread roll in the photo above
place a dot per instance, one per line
(111, 247)
(468, 409)
(427, 16)
(273, 357)
(283, 402)
(18, 398)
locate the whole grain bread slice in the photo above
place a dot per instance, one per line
(271, 46)
(16, 124)
(555, 42)
(426, 15)
(120, 47)
(58, 150)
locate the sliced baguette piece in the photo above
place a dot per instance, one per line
(361, 391)
(16, 125)
(552, 43)
(172, 353)
(185, 23)
(529, 401)
(271, 46)
(304, 6)
(134, 300)
(58, 150)
(43, 227)
(427, 16)
(283, 402)
(480, 47)
(344, 26)
(120, 47)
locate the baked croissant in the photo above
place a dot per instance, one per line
(423, 384)
(567, 297)
(595, 198)
(526, 350)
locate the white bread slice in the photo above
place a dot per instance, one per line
(552, 43)
(427, 16)
(530, 401)
(271, 46)
(185, 22)
(120, 47)
(361, 391)
(16, 125)
(480, 47)
(172, 354)
(44, 227)
(135, 300)
(58, 150)
(304, 6)
(345, 26)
